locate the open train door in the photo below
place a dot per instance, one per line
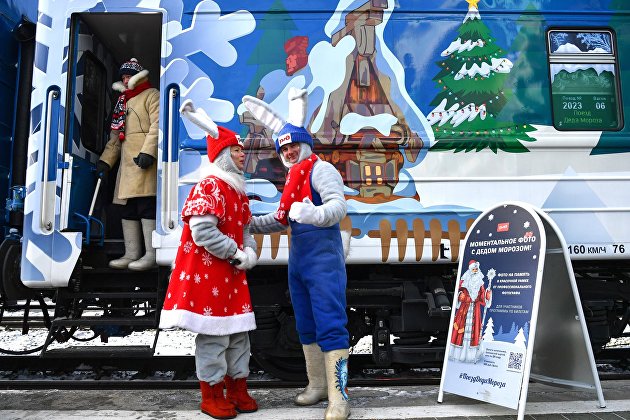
(78, 52)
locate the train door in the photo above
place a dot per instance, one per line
(78, 54)
(100, 42)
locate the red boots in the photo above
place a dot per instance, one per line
(237, 395)
(213, 402)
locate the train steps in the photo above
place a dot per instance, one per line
(108, 304)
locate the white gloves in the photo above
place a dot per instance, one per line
(247, 258)
(306, 212)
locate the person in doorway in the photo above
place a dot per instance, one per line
(466, 333)
(312, 204)
(133, 141)
(208, 292)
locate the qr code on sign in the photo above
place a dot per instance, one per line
(516, 361)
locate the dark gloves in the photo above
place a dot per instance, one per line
(102, 169)
(143, 160)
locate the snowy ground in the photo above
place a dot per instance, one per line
(170, 343)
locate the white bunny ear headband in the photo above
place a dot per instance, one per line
(290, 131)
(199, 118)
(267, 116)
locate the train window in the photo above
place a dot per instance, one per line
(93, 103)
(584, 72)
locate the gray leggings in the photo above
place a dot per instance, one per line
(218, 355)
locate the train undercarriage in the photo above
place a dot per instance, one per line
(404, 310)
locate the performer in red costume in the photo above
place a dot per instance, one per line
(208, 292)
(466, 335)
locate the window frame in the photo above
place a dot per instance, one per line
(585, 58)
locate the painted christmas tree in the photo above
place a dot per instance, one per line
(489, 331)
(276, 28)
(519, 340)
(472, 93)
(529, 78)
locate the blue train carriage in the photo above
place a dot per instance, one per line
(431, 111)
(17, 35)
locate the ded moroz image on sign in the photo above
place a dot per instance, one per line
(498, 305)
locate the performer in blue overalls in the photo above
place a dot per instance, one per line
(313, 204)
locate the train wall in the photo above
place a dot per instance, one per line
(432, 112)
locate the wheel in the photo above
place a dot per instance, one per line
(11, 287)
(286, 368)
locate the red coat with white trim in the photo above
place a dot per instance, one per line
(206, 294)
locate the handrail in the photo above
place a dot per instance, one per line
(45, 222)
(172, 94)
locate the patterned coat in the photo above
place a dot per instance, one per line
(206, 294)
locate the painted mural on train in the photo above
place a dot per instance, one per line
(430, 117)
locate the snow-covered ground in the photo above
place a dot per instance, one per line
(170, 343)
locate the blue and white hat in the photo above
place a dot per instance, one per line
(131, 68)
(290, 133)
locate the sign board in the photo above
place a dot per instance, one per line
(584, 85)
(515, 282)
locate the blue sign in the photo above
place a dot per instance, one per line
(496, 302)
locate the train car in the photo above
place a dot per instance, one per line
(432, 111)
(17, 41)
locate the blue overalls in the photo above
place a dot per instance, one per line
(317, 283)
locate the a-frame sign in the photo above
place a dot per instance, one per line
(517, 313)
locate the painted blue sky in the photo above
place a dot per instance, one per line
(416, 37)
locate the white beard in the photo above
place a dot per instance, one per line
(236, 181)
(472, 282)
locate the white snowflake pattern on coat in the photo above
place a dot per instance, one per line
(213, 282)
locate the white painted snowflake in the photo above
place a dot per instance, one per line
(192, 304)
(182, 275)
(227, 280)
(247, 308)
(207, 311)
(245, 282)
(215, 291)
(197, 278)
(225, 309)
(188, 246)
(206, 258)
(169, 295)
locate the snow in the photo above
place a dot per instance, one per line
(170, 342)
